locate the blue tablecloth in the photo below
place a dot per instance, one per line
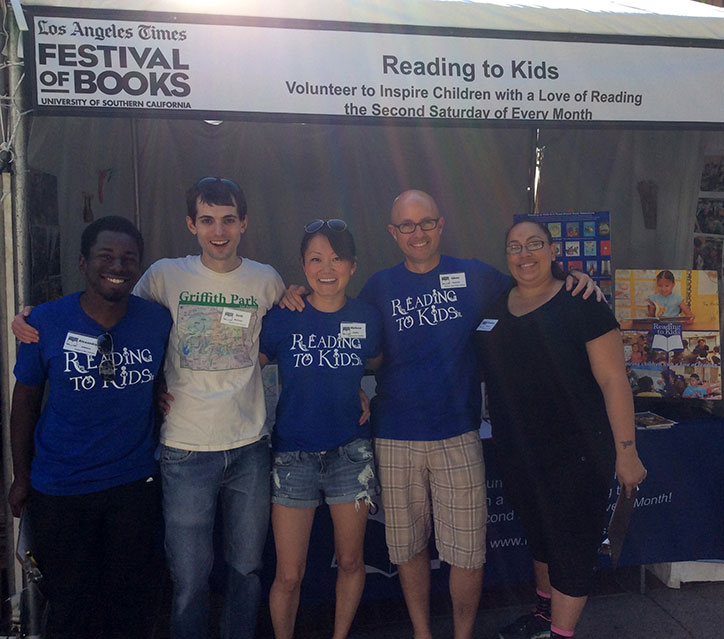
(678, 516)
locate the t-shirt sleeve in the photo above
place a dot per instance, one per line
(368, 293)
(146, 288)
(277, 284)
(268, 336)
(490, 282)
(374, 334)
(594, 318)
(30, 368)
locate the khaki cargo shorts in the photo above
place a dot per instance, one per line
(441, 481)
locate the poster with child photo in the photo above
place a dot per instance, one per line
(670, 328)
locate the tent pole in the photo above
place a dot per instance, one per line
(532, 171)
(7, 352)
(16, 269)
(20, 169)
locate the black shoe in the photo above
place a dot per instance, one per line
(530, 626)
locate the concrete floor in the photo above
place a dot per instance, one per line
(616, 610)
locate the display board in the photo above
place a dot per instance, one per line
(709, 225)
(670, 329)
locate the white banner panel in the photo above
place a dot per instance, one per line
(108, 66)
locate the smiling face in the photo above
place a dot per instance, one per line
(530, 267)
(327, 273)
(664, 286)
(218, 230)
(421, 248)
(112, 266)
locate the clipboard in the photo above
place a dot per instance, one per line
(618, 526)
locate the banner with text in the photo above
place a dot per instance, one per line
(96, 64)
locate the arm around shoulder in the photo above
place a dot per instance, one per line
(23, 331)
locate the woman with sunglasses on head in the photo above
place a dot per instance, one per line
(322, 448)
(562, 415)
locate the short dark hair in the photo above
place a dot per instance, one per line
(342, 243)
(217, 192)
(556, 268)
(666, 275)
(114, 223)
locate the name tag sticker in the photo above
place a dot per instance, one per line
(452, 280)
(235, 317)
(486, 325)
(353, 329)
(79, 343)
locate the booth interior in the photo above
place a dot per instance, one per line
(83, 168)
(293, 169)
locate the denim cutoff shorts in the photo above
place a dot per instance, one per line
(306, 480)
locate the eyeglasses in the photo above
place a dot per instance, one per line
(212, 180)
(409, 227)
(532, 245)
(332, 225)
(106, 368)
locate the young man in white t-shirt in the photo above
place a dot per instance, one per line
(214, 446)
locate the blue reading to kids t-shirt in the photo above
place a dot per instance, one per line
(428, 388)
(321, 359)
(93, 434)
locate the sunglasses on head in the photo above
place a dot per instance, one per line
(106, 368)
(332, 225)
(212, 180)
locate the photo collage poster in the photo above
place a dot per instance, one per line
(582, 242)
(670, 328)
(709, 224)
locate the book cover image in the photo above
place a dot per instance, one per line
(651, 421)
(670, 328)
(582, 242)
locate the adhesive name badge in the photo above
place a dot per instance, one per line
(353, 329)
(452, 280)
(79, 343)
(486, 325)
(236, 317)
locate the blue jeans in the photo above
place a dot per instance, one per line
(192, 484)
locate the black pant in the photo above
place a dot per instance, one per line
(562, 509)
(97, 553)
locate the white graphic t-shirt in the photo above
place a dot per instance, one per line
(212, 367)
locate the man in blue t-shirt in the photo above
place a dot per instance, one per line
(84, 466)
(426, 413)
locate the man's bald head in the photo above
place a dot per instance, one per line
(409, 198)
(412, 210)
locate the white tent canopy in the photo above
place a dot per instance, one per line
(657, 18)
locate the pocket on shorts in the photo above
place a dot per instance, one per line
(358, 451)
(286, 458)
(171, 455)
